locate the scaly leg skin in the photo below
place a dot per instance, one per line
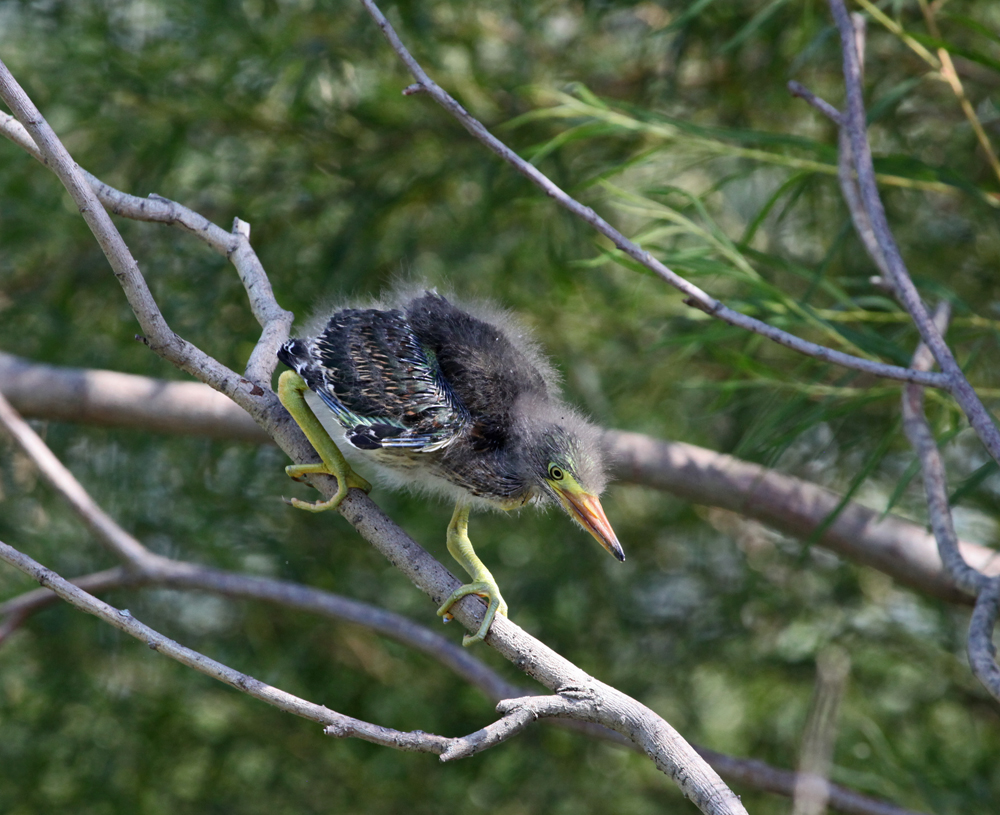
(291, 392)
(482, 583)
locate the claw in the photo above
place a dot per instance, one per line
(489, 591)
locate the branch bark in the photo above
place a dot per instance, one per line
(144, 568)
(855, 126)
(694, 296)
(900, 548)
(668, 750)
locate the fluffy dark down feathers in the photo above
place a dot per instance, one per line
(453, 399)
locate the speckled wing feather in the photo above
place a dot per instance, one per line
(385, 389)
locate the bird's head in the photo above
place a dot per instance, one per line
(565, 459)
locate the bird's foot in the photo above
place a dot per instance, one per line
(291, 393)
(346, 479)
(490, 592)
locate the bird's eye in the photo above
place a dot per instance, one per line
(555, 473)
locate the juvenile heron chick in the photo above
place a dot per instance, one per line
(454, 401)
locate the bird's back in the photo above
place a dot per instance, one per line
(486, 371)
(422, 376)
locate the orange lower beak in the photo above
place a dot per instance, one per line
(587, 511)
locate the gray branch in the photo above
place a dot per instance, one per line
(919, 433)
(234, 245)
(579, 696)
(181, 575)
(668, 750)
(694, 296)
(982, 652)
(898, 275)
(791, 505)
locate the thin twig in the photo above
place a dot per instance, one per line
(906, 292)
(919, 433)
(334, 723)
(824, 107)
(694, 296)
(110, 534)
(234, 245)
(258, 401)
(848, 179)
(982, 652)
(178, 574)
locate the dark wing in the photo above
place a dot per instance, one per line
(481, 364)
(385, 389)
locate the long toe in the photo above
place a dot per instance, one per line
(490, 592)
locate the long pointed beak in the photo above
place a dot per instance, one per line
(586, 510)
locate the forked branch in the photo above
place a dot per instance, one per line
(674, 756)
(694, 296)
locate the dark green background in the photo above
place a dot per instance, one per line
(289, 116)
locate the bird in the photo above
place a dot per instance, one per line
(446, 398)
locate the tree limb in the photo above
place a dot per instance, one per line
(667, 749)
(147, 569)
(695, 297)
(900, 548)
(855, 126)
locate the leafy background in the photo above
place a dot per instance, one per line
(673, 120)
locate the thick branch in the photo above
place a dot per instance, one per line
(895, 546)
(145, 568)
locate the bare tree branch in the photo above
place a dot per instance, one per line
(906, 292)
(181, 575)
(335, 724)
(578, 695)
(812, 787)
(762, 776)
(259, 401)
(888, 543)
(982, 652)
(148, 569)
(61, 479)
(791, 505)
(919, 433)
(123, 620)
(668, 750)
(824, 107)
(695, 297)
(234, 245)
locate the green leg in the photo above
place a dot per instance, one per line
(291, 391)
(482, 583)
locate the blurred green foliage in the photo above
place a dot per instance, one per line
(672, 119)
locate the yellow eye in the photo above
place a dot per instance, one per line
(555, 473)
